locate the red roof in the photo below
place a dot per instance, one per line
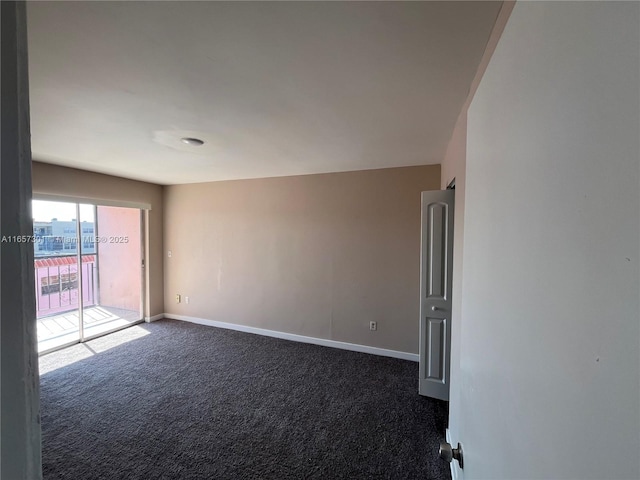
(66, 260)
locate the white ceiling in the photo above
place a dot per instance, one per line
(274, 89)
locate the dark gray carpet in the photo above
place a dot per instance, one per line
(193, 402)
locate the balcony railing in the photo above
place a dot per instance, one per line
(57, 285)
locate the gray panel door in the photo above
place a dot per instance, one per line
(436, 268)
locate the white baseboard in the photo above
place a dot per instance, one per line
(154, 318)
(456, 471)
(298, 338)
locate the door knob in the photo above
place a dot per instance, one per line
(433, 308)
(447, 453)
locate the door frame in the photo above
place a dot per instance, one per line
(77, 201)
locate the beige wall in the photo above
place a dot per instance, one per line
(62, 181)
(315, 255)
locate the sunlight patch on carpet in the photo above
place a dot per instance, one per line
(81, 351)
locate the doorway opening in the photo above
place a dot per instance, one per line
(88, 271)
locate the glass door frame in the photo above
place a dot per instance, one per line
(142, 209)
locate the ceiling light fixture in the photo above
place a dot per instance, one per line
(194, 142)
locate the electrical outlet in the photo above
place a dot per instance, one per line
(186, 299)
(373, 326)
(178, 298)
(169, 253)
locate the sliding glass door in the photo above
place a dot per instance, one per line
(116, 278)
(88, 263)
